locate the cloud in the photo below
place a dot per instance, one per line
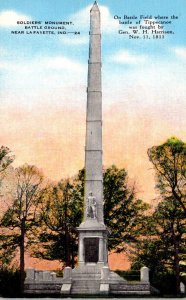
(9, 18)
(126, 57)
(3, 51)
(49, 63)
(75, 40)
(180, 51)
(51, 78)
(82, 18)
(62, 62)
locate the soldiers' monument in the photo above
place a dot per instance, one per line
(92, 275)
(93, 232)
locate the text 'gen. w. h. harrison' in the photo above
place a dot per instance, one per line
(92, 274)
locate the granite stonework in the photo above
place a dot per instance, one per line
(97, 280)
(92, 275)
(42, 282)
(89, 279)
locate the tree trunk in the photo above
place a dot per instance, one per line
(72, 251)
(176, 265)
(67, 248)
(22, 255)
(67, 245)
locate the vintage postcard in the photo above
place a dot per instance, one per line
(62, 81)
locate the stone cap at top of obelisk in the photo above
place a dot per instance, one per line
(95, 21)
(95, 7)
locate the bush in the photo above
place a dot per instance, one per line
(164, 282)
(9, 283)
(131, 275)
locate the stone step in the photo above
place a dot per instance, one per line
(84, 277)
(86, 286)
(132, 293)
(129, 287)
(82, 290)
(86, 292)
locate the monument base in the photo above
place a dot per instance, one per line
(87, 279)
(92, 275)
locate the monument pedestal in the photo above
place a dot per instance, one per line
(92, 275)
(93, 243)
(93, 260)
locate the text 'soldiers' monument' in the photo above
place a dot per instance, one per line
(92, 275)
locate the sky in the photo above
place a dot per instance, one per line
(43, 81)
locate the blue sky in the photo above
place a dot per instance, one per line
(65, 10)
(143, 82)
(30, 65)
(117, 50)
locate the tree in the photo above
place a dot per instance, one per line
(8, 245)
(61, 214)
(169, 161)
(6, 253)
(165, 237)
(21, 216)
(123, 211)
(162, 245)
(5, 158)
(172, 230)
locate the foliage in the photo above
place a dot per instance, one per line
(124, 213)
(61, 214)
(21, 216)
(164, 283)
(9, 283)
(5, 158)
(169, 161)
(130, 275)
(163, 244)
(63, 211)
(8, 245)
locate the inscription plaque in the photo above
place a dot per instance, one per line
(91, 246)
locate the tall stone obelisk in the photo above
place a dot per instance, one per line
(93, 149)
(92, 232)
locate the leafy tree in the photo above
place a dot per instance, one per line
(169, 161)
(123, 211)
(6, 249)
(163, 245)
(61, 214)
(21, 216)
(5, 158)
(164, 241)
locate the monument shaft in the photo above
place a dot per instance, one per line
(92, 231)
(93, 148)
